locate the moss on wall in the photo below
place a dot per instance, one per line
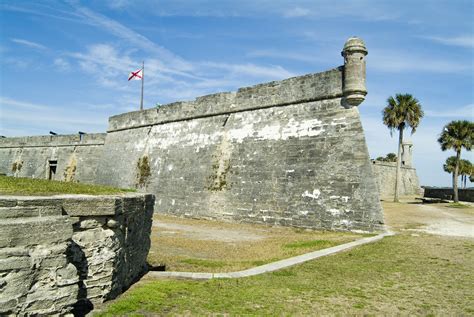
(16, 166)
(70, 171)
(143, 172)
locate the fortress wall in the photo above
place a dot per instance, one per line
(77, 158)
(283, 153)
(385, 174)
(288, 152)
(66, 253)
(311, 87)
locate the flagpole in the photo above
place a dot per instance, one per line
(143, 79)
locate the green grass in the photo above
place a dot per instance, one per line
(224, 247)
(400, 275)
(457, 205)
(27, 186)
(320, 244)
(205, 263)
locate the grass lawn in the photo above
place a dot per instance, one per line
(458, 205)
(27, 186)
(405, 274)
(192, 245)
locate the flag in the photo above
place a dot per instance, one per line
(137, 75)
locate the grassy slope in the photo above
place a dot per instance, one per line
(27, 186)
(186, 250)
(403, 274)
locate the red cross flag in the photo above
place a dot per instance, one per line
(137, 75)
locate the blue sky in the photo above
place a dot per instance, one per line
(64, 64)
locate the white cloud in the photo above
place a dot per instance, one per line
(37, 8)
(463, 40)
(62, 64)
(105, 65)
(400, 61)
(15, 113)
(301, 57)
(29, 44)
(271, 72)
(296, 12)
(109, 66)
(466, 112)
(17, 62)
(132, 37)
(4, 102)
(118, 4)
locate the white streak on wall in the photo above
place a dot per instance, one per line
(315, 195)
(334, 212)
(162, 136)
(339, 121)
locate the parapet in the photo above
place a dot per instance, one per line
(347, 81)
(312, 87)
(54, 140)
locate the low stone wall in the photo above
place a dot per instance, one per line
(66, 253)
(35, 275)
(448, 193)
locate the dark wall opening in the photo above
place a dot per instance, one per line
(53, 164)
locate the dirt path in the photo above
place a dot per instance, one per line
(207, 233)
(193, 245)
(437, 219)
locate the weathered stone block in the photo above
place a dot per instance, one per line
(92, 206)
(46, 268)
(30, 211)
(33, 231)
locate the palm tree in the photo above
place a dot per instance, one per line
(391, 157)
(457, 135)
(450, 166)
(401, 112)
(465, 170)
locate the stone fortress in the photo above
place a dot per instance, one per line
(290, 153)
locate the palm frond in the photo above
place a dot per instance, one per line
(402, 111)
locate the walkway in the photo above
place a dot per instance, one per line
(270, 267)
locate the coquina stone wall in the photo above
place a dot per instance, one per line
(57, 157)
(64, 254)
(288, 152)
(385, 174)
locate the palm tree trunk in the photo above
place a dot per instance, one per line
(456, 171)
(452, 176)
(399, 163)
